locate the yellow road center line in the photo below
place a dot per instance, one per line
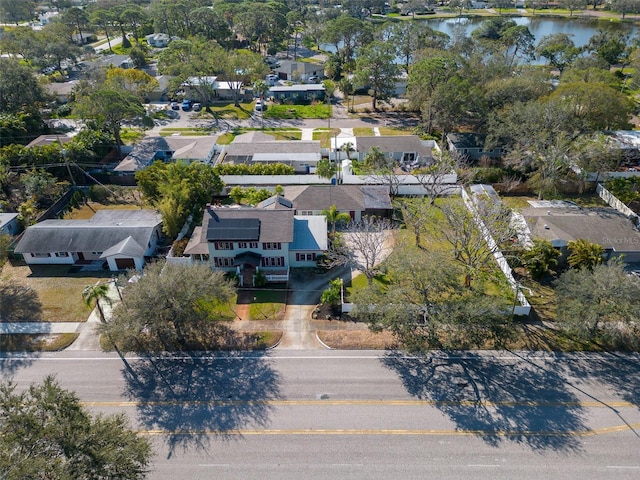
(463, 403)
(500, 433)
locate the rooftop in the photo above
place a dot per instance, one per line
(274, 225)
(602, 225)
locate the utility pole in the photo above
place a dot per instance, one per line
(66, 161)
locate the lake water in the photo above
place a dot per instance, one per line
(581, 30)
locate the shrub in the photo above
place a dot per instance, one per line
(99, 194)
(179, 246)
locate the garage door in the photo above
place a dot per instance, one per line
(124, 263)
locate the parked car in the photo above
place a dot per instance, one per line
(259, 106)
(175, 106)
(186, 104)
(197, 107)
(314, 79)
(271, 79)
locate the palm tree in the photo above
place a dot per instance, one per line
(334, 216)
(585, 254)
(97, 293)
(347, 148)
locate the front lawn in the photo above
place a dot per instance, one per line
(58, 291)
(267, 304)
(291, 112)
(325, 135)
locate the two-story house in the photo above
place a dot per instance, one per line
(246, 240)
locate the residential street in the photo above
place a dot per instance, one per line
(363, 415)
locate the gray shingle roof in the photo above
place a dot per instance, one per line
(275, 225)
(184, 148)
(106, 229)
(605, 226)
(127, 247)
(321, 197)
(376, 197)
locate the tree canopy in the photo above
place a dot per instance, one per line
(602, 303)
(46, 433)
(177, 190)
(172, 307)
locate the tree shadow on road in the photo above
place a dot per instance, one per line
(18, 304)
(495, 400)
(621, 371)
(194, 398)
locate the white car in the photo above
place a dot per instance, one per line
(259, 106)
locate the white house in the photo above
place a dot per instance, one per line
(158, 40)
(122, 238)
(259, 148)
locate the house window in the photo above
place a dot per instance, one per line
(306, 212)
(242, 244)
(253, 244)
(96, 253)
(223, 261)
(305, 257)
(224, 246)
(273, 261)
(40, 255)
(271, 246)
(62, 254)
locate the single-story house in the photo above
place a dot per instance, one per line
(299, 71)
(246, 240)
(409, 151)
(296, 93)
(122, 238)
(158, 40)
(9, 224)
(161, 92)
(356, 200)
(61, 90)
(562, 222)
(167, 149)
(471, 146)
(43, 140)
(83, 38)
(257, 147)
(219, 89)
(109, 61)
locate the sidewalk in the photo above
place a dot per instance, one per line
(87, 336)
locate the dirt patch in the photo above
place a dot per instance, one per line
(357, 339)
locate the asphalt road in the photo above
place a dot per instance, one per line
(367, 415)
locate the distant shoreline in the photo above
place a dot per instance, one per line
(598, 15)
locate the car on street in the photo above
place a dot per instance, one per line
(186, 104)
(259, 106)
(197, 107)
(175, 106)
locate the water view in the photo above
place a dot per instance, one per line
(582, 30)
